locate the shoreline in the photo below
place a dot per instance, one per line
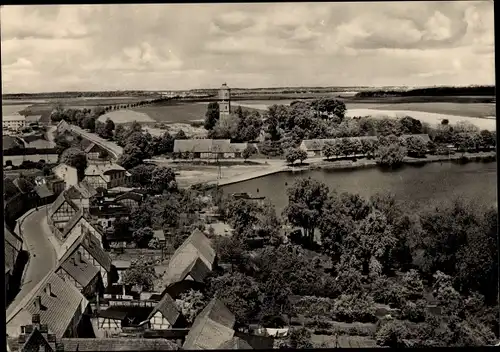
(348, 164)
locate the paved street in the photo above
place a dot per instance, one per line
(42, 254)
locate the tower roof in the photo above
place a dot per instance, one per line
(224, 86)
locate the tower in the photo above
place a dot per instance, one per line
(224, 101)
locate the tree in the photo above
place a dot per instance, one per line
(487, 139)
(391, 155)
(76, 158)
(142, 275)
(163, 144)
(300, 339)
(109, 126)
(248, 151)
(211, 116)
(163, 179)
(142, 236)
(306, 198)
(191, 303)
(239, 293)
(89, 123)
(409, 125)
(180, 135)
(142, 175)
(301, 155)
(331, 149)
(121, 227)
(291, 156)
(416, 146)
(132, 156)
(102, 131)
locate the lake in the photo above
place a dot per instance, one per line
(417, 187)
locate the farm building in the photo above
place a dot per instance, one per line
(106, 176)
(208, 148)
(190, 264)
(61, 212)
(212, 328)
(59, 306)
(165, 315)
(81, 273)
(92, 252)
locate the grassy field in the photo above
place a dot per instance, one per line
(126, 115)
(173, 112)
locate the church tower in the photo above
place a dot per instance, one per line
(224, 101)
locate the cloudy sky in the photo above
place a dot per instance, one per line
(185, 46)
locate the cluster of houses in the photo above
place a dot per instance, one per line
(82, 304)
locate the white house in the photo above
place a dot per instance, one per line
(66, 173)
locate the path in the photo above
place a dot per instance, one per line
(109, 146)
(42, 255)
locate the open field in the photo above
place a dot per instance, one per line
(12, 109)
(173, 112)
(428, 117)
(189, 130)
(124, 116)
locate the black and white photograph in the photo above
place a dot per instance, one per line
(255, 176)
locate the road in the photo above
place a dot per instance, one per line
(42, 255)
(110, 146)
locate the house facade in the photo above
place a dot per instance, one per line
(66, 173)
(61, 212)
(165, 315)
(92, 151)
(104, 175)
(13, 122)
(81, 194)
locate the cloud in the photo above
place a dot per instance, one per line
(183, 46)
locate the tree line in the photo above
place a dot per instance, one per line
(430, 91)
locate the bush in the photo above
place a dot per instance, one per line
(393, 333)
(351, 308)
(414, 311)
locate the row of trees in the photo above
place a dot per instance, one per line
(379, 252)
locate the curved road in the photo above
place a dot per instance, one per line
(42, 254)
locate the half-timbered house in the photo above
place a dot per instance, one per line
(61, 212)
(165, 315)
(81, 194)
(81, 273)
(78, 225)
(92, 151)
(106, 175)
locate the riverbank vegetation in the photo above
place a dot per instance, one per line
(426, 279)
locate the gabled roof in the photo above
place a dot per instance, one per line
(197, 270)
(59, 307)
(211, 328)
(130, 195)
(12, 239)
(34, 341)
(89, 148)
(79, 269)
(235, 343)
(167, 308)
(72, 222)
(117, 344)
(43, 191)
(184, 260)
(59, 202)
(202, 145)
(82, 190)
(112, 313)
(92, 245)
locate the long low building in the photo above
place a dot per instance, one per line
(209, 148)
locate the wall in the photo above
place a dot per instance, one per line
(158, 322)
(68, 174)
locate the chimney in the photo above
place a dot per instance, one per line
(79, 256)
(48, 289)
(73, 261)
(38, 302)
(35, 319)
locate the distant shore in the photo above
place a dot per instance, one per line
(347, 164)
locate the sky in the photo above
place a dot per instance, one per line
(50, 48)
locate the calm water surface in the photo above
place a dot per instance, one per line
(415, 187)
